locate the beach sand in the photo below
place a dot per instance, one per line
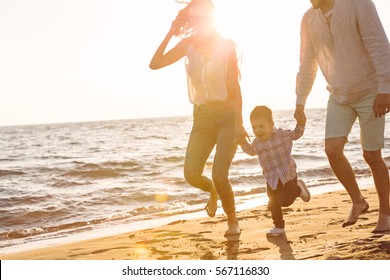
(313, 231)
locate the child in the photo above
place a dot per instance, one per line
(273, 147)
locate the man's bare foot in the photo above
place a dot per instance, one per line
(383, 225)
(357, 209)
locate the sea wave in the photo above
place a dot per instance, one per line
(101, 173)
(60, 179)
(24, 200)
(249, 160)
(173, 159)
(11, 172)
(57, 183)
(321, 172)
(308, 157)
(109, 169)
(143, 212)
(122, 163)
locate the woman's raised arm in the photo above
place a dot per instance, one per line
(161, 59)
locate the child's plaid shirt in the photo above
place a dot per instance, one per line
(275, 155)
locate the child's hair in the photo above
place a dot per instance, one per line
(262, 112)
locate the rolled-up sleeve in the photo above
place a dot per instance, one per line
(375, 41)
(308, 65)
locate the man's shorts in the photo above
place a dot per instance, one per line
(341, 117)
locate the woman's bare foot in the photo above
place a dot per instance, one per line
(357, 209)
(233, 230)
(233, 227)
(212, 204)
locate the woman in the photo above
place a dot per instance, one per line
(213, 88)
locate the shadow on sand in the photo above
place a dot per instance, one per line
(232, 246)
(286, 252)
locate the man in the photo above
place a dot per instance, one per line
(346, 39)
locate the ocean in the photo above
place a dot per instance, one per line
(67, 181)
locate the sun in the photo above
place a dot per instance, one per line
(231, 17)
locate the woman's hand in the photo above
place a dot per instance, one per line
(179, 21)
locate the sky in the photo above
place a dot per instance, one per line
(88, 60)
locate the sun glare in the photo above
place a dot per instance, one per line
(231, 17)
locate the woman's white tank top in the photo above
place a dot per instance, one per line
(207, 80)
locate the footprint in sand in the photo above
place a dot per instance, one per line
(329, 209)
(311, 257)
(365, 226)
(182, 253)
(207, 231)
(196, 235)
(170, 233)
(210, 222)
(385, 245)
(338, 222)
(372, 210)
(154, 250)
(308, 236)
(177, 222)
(208, 256)
(248, 217)
(257, 212)
(201, 239)
(252, 251)
(164, 258)
(106, 250)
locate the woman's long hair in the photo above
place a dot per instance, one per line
(186, 30)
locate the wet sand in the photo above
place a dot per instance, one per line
(313, 231)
